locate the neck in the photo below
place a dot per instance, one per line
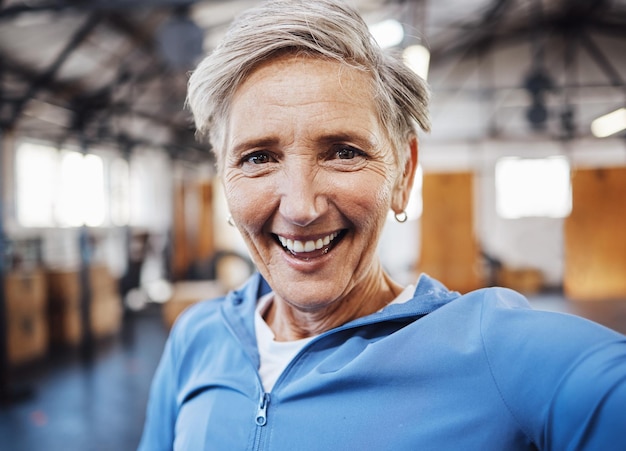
(288, 322)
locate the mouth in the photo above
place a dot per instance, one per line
(310, 248)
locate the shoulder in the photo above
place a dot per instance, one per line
(507, 314)
(195, 325)
(540, 359)
(510, 328)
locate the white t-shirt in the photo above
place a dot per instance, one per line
(276, 355)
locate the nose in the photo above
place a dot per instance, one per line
(302, 194)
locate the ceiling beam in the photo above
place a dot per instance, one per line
(47, 76)
(14, 11)
(601, 60)
(478, 34)
(588, 14)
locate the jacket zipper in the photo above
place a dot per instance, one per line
(261, 419)
(261, 414)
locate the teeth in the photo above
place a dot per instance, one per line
(307, 246)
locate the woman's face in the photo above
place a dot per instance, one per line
(309, 177)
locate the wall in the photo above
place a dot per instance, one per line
(527, 242)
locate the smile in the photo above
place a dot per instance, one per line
(309, 246)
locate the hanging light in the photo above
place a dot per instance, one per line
(417, 58)
(180, 40)
(387, 33)
(609, 124)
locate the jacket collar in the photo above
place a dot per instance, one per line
(428, 296)
(238, 310)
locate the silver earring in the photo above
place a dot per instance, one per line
(230, 221)
(401, 217)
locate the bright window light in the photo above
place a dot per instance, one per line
(533, 187)
(81, 199)
(387, 33)
(69, 204)
(36, 171)
(609, 124)
(58, 188)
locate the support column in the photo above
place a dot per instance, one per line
(85, 247)
(8, 391)
(4, 329)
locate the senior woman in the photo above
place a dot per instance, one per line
(314, 131)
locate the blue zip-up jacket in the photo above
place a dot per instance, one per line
(443, 371)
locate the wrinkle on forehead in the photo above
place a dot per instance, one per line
(349, 78)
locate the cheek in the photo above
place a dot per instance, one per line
(369, 199)
(250, 201)
(238, 197)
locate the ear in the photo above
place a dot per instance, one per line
(403, 188)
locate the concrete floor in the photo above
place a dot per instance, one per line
(99, 405)
(78, 404)
(611, 313)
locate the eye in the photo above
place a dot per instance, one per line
(348, 153)
(257, 158)
(344, 157)
(257, 162)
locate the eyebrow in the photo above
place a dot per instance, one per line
(252, 143)
(358, 139)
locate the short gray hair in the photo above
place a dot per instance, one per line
(322, 29)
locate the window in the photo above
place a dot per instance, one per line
(59, 188)
(81, 197)
(533, 187)
(36, 169)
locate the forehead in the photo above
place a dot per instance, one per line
(300, 74)
(292, 86)
(307, 61)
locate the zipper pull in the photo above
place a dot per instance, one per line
(261, 414)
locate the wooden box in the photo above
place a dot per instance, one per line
(63, 288)
(524, 280)
(27, 337)
(25, 291)
(187, 293)
(106, 315)
(65, 326)
(102, 281)
(65, 292)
